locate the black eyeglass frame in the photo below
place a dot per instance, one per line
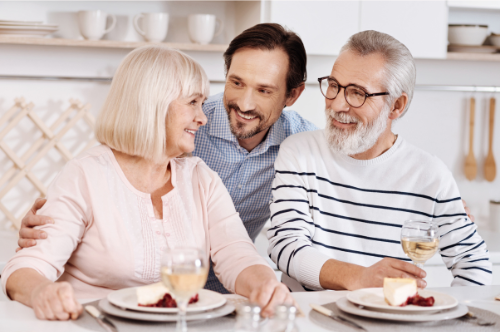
(367, 95)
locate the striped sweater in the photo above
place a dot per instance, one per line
(328, 205)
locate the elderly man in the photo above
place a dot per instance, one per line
(341, 195)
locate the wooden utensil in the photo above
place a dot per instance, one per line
(470, 161)
(490, 168)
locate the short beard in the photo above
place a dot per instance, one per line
(361, 139)
(237, 130)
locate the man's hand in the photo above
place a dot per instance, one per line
(374, 275)
(55, 301)
(270, 294)
(28, 235)
(340, 275)
(467, 210)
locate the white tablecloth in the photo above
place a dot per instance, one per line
(15, 317)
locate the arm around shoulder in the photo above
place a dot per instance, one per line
(69, 209)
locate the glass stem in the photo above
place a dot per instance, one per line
(181, 316)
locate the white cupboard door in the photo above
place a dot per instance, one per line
(323, 26)
(421, 25)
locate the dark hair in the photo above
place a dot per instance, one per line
(270, 36)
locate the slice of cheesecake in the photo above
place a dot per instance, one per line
(158, 296)
(150, 295)
(397, 291)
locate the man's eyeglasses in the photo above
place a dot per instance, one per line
(354, 95)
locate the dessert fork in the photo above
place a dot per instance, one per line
(479, 321)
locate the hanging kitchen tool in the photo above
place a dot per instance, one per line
(470, 161)
(490, 168)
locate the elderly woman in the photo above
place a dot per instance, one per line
(119, 205)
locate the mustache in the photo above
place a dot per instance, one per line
(342, 116)
(233, 106)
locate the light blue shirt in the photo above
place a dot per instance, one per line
(247, 175)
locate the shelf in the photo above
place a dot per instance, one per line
(487, 5)
(473, 56)
(107, 43)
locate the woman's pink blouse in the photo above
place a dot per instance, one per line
(106, 236)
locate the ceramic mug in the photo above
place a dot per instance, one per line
(92, 23)
(202, 28)
(154, 26)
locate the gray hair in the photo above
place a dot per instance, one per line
(400, 71)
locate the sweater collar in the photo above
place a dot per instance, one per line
(380, 159)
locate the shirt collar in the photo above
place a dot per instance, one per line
(219, 127)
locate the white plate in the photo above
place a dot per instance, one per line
(10, 31)
(28, 25)
(158, 317)
(127, 298)
(20, 22)
(29, 28)
(373, 298)
(349, 307)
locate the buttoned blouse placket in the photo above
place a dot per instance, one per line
(162, 231)
(166, 226)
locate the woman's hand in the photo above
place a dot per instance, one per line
(259, 284)
(269, 294)
(55, 301)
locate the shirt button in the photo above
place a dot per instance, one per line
(239, 186)
(158, 232)
(167, 234)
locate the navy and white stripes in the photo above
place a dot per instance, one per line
(326, 205)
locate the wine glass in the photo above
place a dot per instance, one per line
(420, 240)
(184, 272)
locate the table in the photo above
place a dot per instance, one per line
(15, 317)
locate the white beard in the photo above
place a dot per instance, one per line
(360, 139)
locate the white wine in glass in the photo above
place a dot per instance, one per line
(184, 272)
(419, 240)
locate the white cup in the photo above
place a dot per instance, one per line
(202, 28)
(154, 26)
(92, 23)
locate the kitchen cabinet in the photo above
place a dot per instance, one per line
(324, 26)
(421, 25)
(476, 4)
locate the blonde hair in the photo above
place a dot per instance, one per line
(132, 119)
